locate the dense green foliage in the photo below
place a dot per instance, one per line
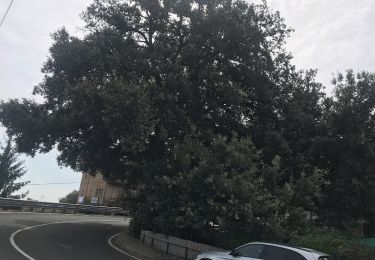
(348, 152)
(337, 245)
(71, 198)
(11, 169)
(196, 106)
(224, 184)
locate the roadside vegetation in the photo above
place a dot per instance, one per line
(333, 242)
(11, 169)
(71, 198)
(197, 107)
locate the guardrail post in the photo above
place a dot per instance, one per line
(167, 251)
(152, 242)
(143, 239)
(186, 253)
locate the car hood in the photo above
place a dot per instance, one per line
(218, 254)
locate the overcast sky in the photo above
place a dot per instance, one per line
(330, 35)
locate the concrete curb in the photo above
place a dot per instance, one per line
(129, 250)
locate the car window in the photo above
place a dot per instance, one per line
(291, 255)
(279, 253)
(253, 250)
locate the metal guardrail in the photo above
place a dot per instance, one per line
(169, 244)
(76, 208)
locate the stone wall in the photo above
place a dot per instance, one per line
(174, 245)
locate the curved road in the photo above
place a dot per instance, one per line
(59, 236)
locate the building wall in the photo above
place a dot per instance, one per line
(97, 187)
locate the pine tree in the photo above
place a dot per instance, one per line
(11, 169)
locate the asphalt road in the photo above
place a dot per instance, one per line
(72, 237)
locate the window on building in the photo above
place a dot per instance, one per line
(99, 194)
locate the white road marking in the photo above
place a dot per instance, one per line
(13, 243)
(118, 249)
(16, 247)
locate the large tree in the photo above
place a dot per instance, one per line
(11, 169)
(347, 151)
(150, 77)
(146, 75)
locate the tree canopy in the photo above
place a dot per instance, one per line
(197, 107)
(347, 150)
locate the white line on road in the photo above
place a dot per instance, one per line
(16, 247)
(13, 243)
(118, 249)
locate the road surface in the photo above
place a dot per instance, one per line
(58, 236)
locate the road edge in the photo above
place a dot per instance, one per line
(19, 250)
(117, 247)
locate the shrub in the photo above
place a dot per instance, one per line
(335, 244)
(135, 228)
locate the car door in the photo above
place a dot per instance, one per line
(279, 253)
(248, 252)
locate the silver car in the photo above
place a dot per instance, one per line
(265, 251)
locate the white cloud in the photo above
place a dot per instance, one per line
(24, 43)
(330, 36)
(25, 40)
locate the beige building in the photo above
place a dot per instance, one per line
(96, 190)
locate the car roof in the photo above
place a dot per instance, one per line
(301, 250)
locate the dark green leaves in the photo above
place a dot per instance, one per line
(196, 106)
(11, 169)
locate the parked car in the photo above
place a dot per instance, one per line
(265, 251)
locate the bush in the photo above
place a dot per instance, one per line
(70, 198)
(335, 244)
(135, 228)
